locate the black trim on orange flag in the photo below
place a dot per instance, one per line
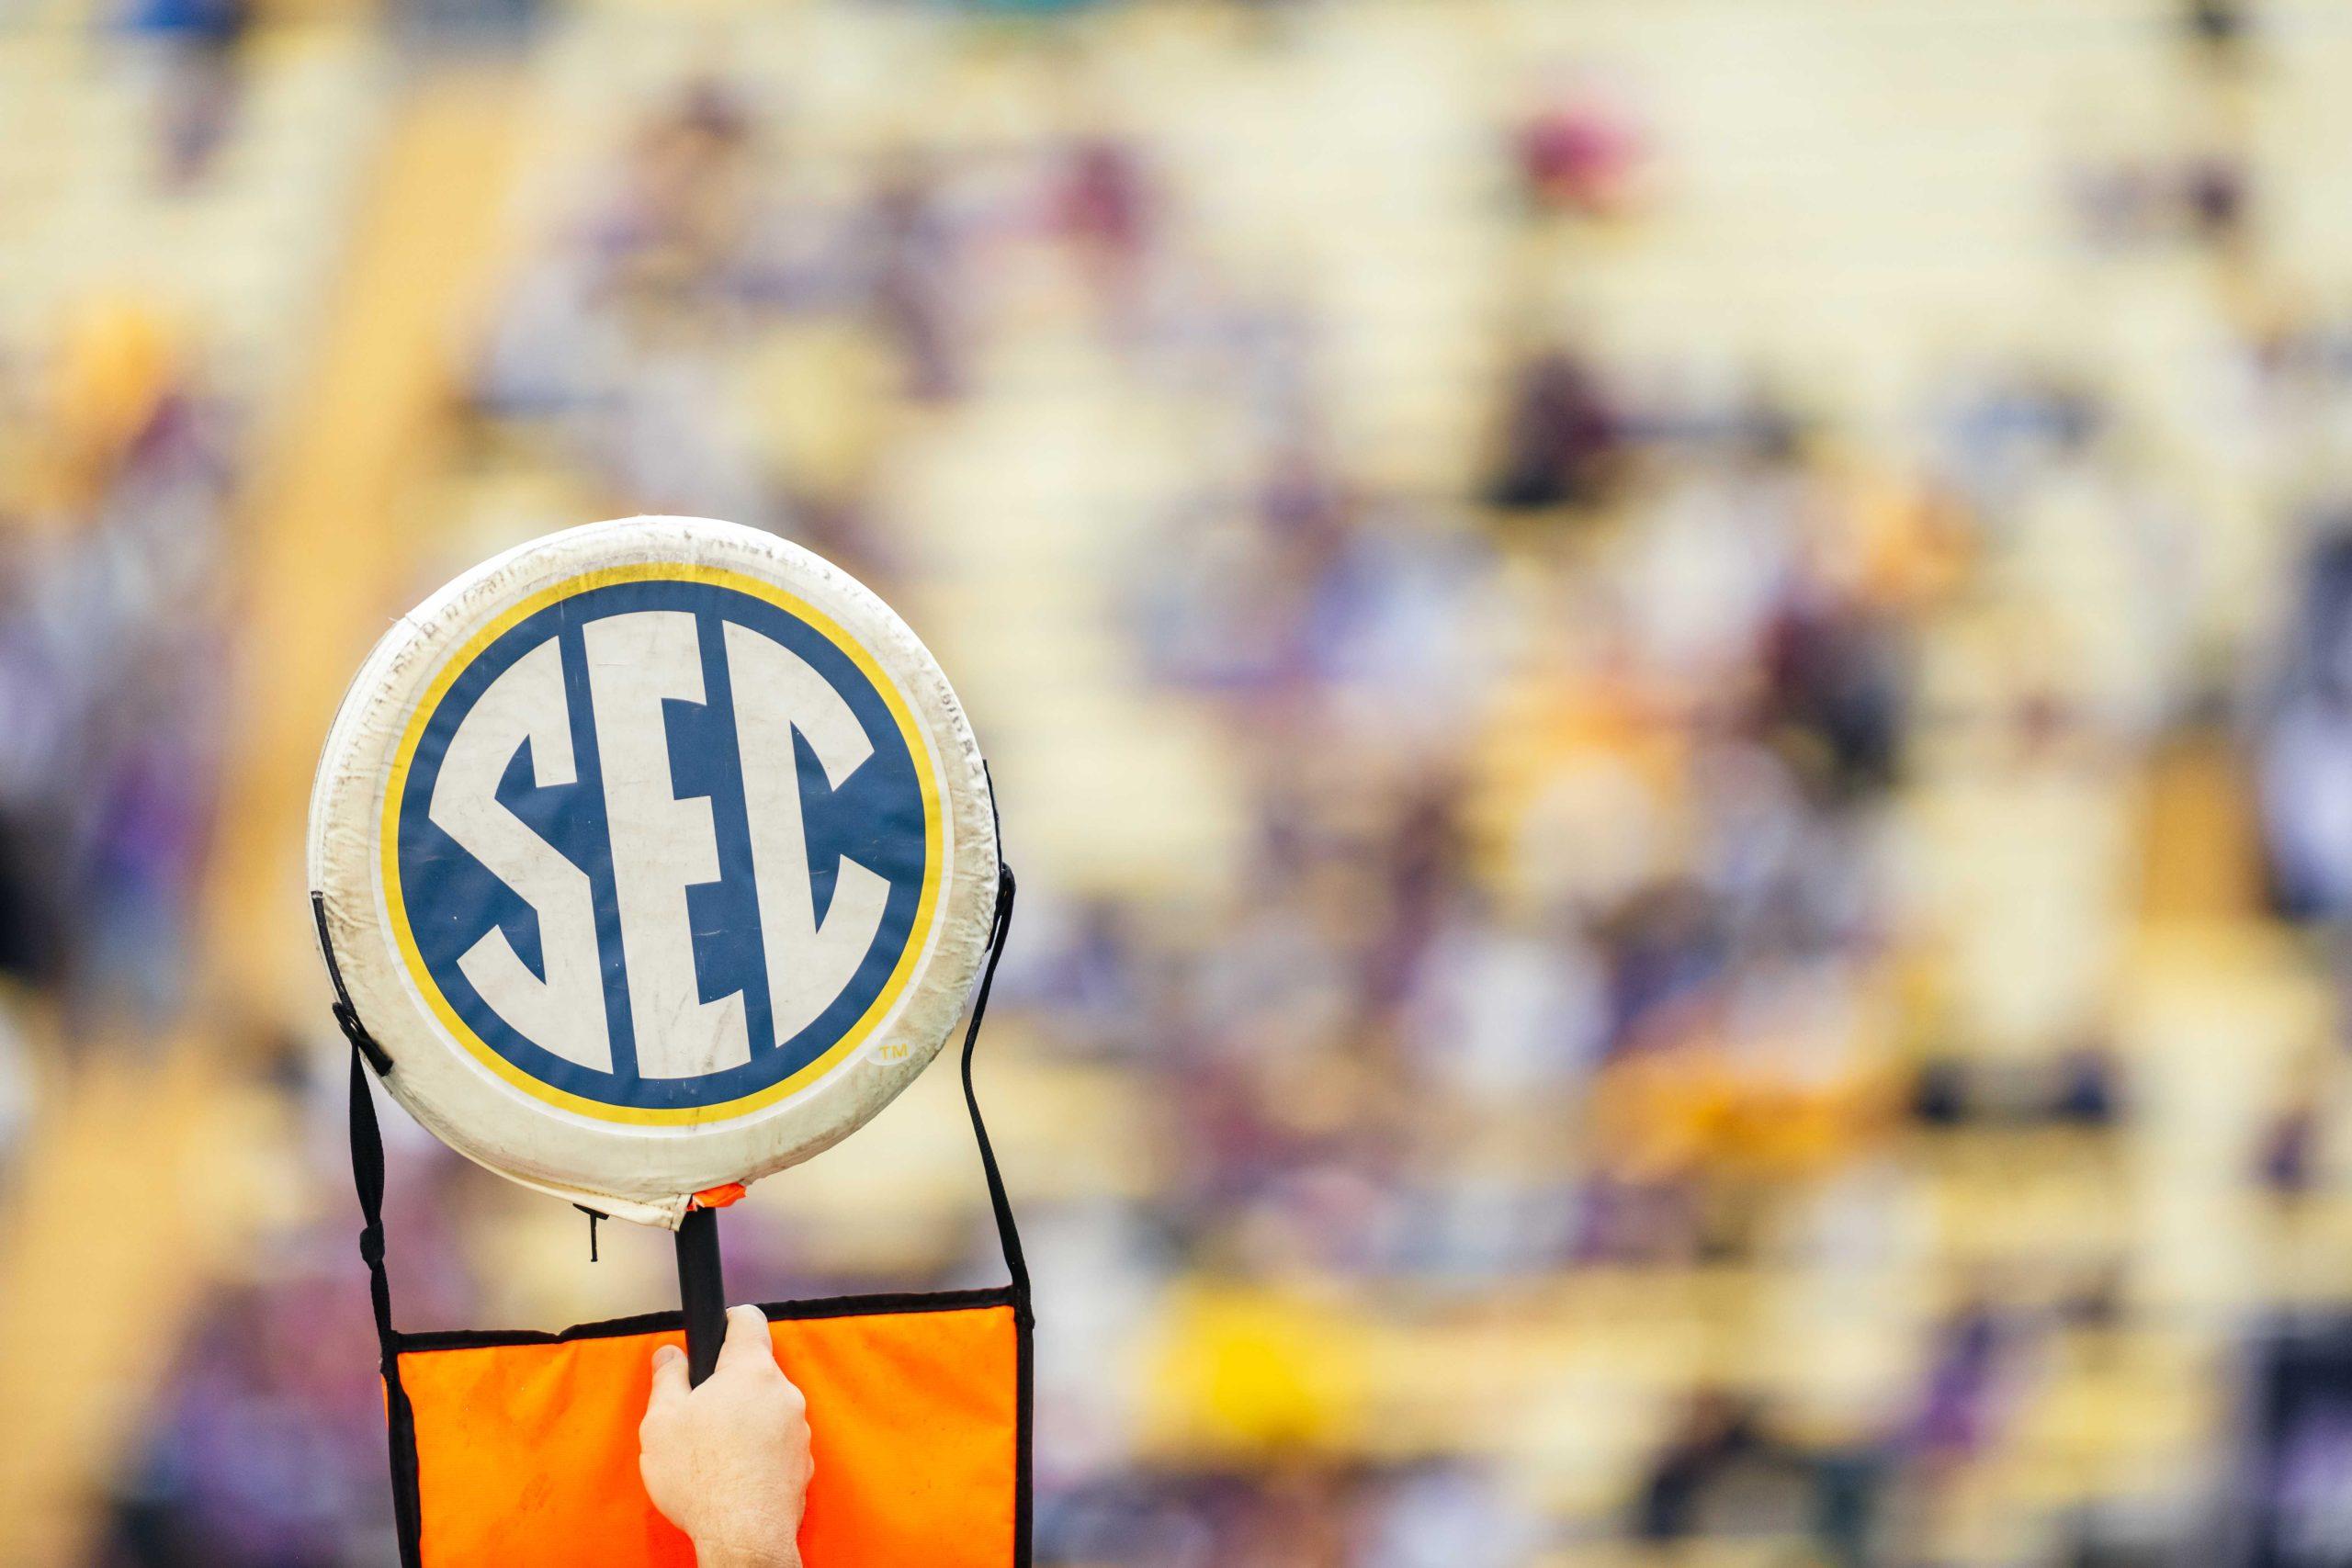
(673, 1321)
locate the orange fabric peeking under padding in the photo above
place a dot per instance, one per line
(527, 1453)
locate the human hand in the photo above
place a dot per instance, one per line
(729, 1462)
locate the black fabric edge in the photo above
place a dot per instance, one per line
(821, 1307)
(408, 1487)
(1024, 1437)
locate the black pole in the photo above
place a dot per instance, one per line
(702, 1291)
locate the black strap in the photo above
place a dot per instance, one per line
(347, 1017)
(367, 1178)
(1008, 1234)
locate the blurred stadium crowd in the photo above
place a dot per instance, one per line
(1673, 683)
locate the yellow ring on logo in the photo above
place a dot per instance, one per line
(667, 1116)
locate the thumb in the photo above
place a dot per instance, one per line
(747, 1338)
(669, 1377)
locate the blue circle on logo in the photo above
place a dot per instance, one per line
(874, 816)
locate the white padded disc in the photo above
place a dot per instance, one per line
(656, 854)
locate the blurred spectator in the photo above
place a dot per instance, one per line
(108, 655)
(1107, 204)
(2306, 749)
(1580, 153)
(1717, 1437)
(201, 42)
(1564, 440)
(2288, 1158)
(910, 262)
(1960, 1405)
(2219, 27)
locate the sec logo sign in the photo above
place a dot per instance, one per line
(669, 825)
(660, 845)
